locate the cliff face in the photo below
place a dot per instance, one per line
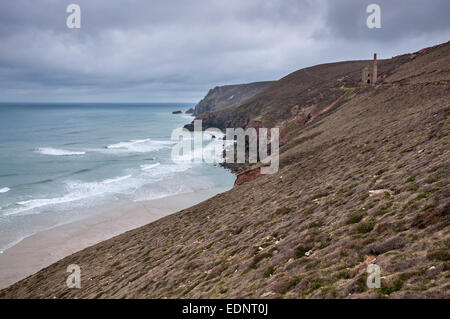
(228, 95)
(364, 179)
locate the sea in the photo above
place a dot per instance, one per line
(60, 160)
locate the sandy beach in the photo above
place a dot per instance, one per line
(44, 248)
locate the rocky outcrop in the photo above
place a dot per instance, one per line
(247, 176)
(228, 95)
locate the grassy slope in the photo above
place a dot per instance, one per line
(252, 240)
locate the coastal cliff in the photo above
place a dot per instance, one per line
(228, 95)
(224, 97)
(364, 178)
(298, 96)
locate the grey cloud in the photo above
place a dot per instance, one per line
(400, 18)
(132, 50)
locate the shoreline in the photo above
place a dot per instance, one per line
(44, 248)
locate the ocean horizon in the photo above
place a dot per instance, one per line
(59, 162)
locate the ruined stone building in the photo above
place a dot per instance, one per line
(369, 77)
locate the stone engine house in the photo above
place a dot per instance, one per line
(369, 77)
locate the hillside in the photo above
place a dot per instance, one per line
(364, 178)
(301, 93)
(228, 95)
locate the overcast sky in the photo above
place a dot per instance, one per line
(175, 51)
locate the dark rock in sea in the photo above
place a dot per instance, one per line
(177, 112)
(190, 111)
(190, 126)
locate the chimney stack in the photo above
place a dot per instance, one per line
(375, 70)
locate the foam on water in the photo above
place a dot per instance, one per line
(57, 152)
(99, 154)
(149, 166)
(77, 190)
(115, 180)
(140, 146)
(166, 170)
(212, 152)
(188, 116)
(128, 144)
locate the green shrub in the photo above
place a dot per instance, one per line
(366, 227)
(354, 218)
(317, 196)
(388, 289)
(440, 254)
(300, 251)
(269, 271)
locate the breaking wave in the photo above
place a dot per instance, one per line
(146, 167)
(57, 152)
(140, 146)
(80, 190)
